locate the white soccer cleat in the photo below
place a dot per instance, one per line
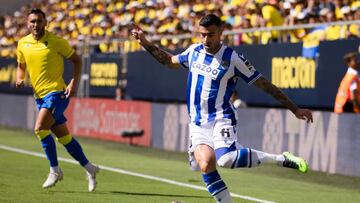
(91, 177)
(53, 178)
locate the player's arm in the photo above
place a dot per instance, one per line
(20, 75)
(73, 85)
(159, 54)
(279, 95)
(21, 67)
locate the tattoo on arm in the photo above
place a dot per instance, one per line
(279, 95)
(160, 55)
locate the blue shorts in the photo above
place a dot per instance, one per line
(57, 103)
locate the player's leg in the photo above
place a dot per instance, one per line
(43, 124)
(202, 147)
(59, 103)
(75, 150)
(205, 157)
(230, 154)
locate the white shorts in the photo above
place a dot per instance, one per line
(216, 134)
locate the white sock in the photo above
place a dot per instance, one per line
(89, 167)
(264, 157)
(223, 197)
(54, 169)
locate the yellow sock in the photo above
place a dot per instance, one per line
(65, 140)
(41, 134)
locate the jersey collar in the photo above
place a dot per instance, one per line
(352, 71)
(221, 47)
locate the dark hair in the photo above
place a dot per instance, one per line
(349, 56)
(37, 11)
(209, 20)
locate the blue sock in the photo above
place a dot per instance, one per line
(217, 187)
(48, 144)
(75, 150)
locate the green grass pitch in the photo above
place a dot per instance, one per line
(21, 177)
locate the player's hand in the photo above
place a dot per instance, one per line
(304, 114)
(137, 33)
(19, 84)
(69, 91)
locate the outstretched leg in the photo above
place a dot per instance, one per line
(230, 154)
(247, 157)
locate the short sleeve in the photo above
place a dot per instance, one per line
(63, 47)
(244, 69)
(185, 55)
(19, 53)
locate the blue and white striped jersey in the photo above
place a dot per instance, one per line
(211, 82)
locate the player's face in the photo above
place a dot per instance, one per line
(211, 38)
(36, 24)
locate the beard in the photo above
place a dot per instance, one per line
(38, 33)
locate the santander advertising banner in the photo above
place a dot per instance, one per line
(109, 119)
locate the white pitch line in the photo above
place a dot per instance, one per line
(117, 170)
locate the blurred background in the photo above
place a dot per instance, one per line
(298, 44)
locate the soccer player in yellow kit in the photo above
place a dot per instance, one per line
(42, 54)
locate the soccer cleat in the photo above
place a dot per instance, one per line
(295, 162)
(192, 162)
(91, 177)
(52, 179)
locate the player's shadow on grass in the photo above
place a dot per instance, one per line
(130, 193)
(156, 194)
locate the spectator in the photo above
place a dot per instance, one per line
(312, 38)
(91, 21)
(272, 17)
(333, 32)
(348, 95)
(353, 30)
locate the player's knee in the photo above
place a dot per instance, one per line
(226, 160)
(207, 166)
(41, 134)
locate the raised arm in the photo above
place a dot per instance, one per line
(279, 95)
(159, 54)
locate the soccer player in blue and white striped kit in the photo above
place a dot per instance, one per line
(213, 72)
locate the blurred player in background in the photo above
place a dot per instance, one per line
(213, 72)
(42, 54)
(348, 95)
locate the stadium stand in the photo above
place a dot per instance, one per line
(103, 23)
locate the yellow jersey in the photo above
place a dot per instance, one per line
(274, 18)
(44, 59)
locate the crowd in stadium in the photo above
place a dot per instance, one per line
(99, 21)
